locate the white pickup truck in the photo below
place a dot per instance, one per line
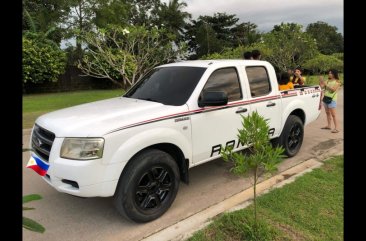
(139, 147)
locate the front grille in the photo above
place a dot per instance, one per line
(42, 140)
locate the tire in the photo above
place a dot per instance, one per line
(292, 135)
(148, 186)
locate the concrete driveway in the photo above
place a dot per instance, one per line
(67, 217)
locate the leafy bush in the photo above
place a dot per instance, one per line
(227, 53)
(322, 63)
(42, 60)
(289, 46)
(28, 223)
(338, 56)
(286, 46)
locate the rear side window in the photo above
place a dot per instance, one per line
(258, 81)
(226, 80)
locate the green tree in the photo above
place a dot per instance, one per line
(329, 41)
(245, 34)
(322, 63)
(111, 12)
(86, 15)
(207, 40)
(173, 17)
(80, 20)
(262, 157)
(123, 55)
(142, 12)
(222, 24)
(125, 12)
(211, 34)
(289, 46)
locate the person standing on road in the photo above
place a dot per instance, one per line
(330, 88)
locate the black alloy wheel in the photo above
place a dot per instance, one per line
(154, 187)
(292, 135)
(295, 137)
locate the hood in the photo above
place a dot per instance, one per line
(96, 119)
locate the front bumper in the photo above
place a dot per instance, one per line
(93, 178)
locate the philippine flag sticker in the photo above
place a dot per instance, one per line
(37, 165)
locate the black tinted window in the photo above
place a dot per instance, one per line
(167, 85)
(225, 80)
(258, 81)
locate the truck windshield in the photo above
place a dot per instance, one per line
(167, 85)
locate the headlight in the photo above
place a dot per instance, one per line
(82, 148)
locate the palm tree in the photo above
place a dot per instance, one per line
(174, 18)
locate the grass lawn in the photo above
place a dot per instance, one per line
(38, 104)
(311, 208)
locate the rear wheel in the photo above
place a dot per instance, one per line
(292, 135)
(148, 186)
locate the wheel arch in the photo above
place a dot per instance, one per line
(299, 113)
(178, 156)
(296, 112)
(175, 152)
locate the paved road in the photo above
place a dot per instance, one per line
(71, 218)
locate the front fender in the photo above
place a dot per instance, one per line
(147, 138)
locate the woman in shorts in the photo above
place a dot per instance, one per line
(330, 88)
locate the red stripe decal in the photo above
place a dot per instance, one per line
(207, 109)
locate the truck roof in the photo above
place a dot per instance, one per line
(207, 63)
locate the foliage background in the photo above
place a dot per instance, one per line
(216, 36)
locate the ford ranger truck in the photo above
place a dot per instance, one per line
(138, 147)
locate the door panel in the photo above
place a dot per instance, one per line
(215, 127)
(265, 100)
(213, 130)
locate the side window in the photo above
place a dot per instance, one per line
(227, 80)
(258, 81)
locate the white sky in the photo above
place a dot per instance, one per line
(267, 13)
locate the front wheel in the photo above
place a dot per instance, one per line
(292, 135)
(148, 186)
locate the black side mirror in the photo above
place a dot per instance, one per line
(213, 98)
